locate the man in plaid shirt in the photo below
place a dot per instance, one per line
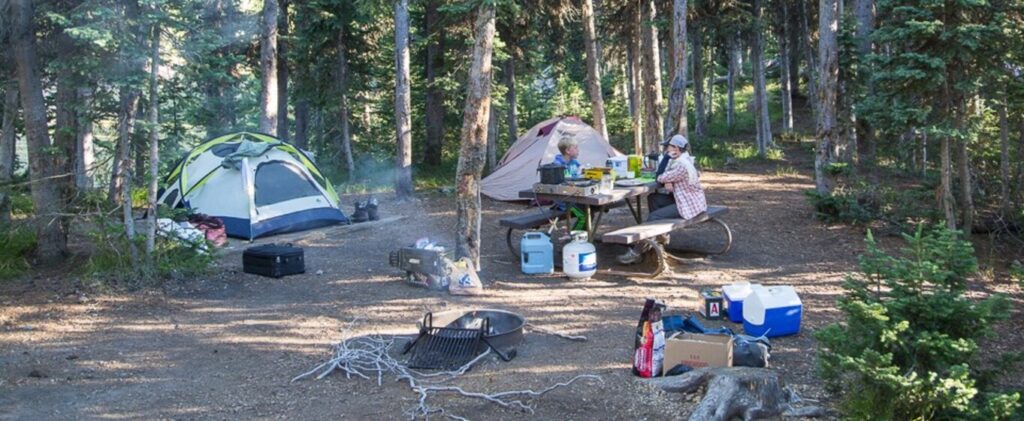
(684, 197)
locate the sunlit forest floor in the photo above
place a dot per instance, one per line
(226, 345)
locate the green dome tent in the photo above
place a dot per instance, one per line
(258, 184)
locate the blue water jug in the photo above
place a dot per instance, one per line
(536, 253)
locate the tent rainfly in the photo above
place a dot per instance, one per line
(517, 170)
(258, 184)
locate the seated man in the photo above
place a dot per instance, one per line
(685, 200)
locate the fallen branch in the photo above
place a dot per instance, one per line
(370, 356)
(578, 338)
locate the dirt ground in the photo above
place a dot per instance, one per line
(225, 346)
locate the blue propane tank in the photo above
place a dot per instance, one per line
(536, 253)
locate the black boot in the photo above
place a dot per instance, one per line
(360, 215)
(371, 209)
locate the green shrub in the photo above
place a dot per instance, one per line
(1017, 272)
(111, 257)
(841, 206)
(905, 348)
(16, 243)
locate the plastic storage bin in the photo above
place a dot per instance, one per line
(734, 296)
(536, 254)
(772, 311)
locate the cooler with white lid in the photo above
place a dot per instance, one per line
(734, 296)
(772, 311)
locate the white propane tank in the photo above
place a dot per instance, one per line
(579, 257)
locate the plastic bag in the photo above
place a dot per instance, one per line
(649, 345)
(464, 280)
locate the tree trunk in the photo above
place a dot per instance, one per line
(828, 78)
(509, 72)
(8, 136)
(85, 154)
(761, 119)
(268, 68)
(474, 137)
(734, 64)
(434, 96)
(8, 155)
(46, 199)
(946, 200)
(64, 133)
(593, 71)
(652, 77)
(635, 77)
(966, 191)
(700, 111)
(282, 70)
(154, 142)
(492, 141)
(343, 106)
(709, 75)
(403, 105)
(1004, 158)
(812, 62)
(677, 95)
(785, 89)
(865, 11)
(301, 124)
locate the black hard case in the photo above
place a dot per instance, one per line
(274, 260)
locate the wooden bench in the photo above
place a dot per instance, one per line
(650, 232)
(527, 221)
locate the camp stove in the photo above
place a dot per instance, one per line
(450, 339)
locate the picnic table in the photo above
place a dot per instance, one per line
(597, 203)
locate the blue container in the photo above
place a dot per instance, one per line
(536, 254)
(772, 311)
(734, 295)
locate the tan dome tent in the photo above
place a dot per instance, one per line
(517, 170)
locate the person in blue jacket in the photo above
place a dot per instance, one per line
(570, 151)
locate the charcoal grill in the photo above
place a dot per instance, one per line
(450, 339)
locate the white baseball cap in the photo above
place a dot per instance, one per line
(678, 140)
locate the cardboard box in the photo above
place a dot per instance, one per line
(696, 350)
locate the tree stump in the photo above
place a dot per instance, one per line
(737, 392)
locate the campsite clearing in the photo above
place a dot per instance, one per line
(225, 346)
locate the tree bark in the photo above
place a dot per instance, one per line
(64, 133)
(761, 119)
(652, 77)
(785, 89)
(343, 106)
(734, 64)
(865, 11)
(282, 70)
(8, 136)
(812, 62)
(85, 154)
(154, 142)
(946, 185)
(301, 124)
(474, 138)
(966, 191)
(492, 141)
(593, 70)
(509, 73)
(828, 78)
(635, 77)
(434, 65)
(403, 105)
(1004, 158)
(268, 68)
(46, 199)
(700, 111)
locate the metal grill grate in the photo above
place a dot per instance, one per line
(446, 348)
